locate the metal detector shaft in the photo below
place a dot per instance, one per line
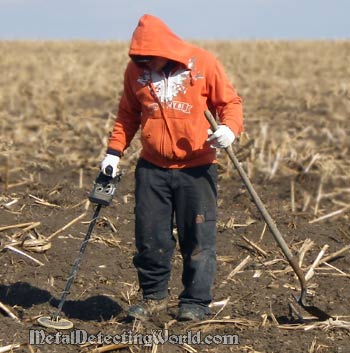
(77, 263)
(272, 226)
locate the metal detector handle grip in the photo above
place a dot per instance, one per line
(272, 226)
(109, 170)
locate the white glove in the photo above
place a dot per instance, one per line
(110, 160)
(223, 137)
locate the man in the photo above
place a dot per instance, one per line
(168, 85)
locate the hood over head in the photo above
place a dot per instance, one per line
(153, 37)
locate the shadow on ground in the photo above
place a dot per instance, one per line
(96, 308)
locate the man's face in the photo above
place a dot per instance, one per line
(156, 63)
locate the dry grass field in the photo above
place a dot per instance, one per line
(57, 106)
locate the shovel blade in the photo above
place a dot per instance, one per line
(311, 309)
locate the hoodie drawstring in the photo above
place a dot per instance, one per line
(192, 79)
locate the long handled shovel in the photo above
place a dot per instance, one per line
(301, 300)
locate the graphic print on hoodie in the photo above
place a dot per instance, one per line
(170, 108)
(168, 88)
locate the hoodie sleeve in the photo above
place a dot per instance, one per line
(128, 118)
(225, 99)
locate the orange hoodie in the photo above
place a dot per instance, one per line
(170, 108)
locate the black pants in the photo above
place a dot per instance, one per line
(191, 195)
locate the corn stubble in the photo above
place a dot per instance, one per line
(58, 101)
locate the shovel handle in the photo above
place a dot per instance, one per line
(271, 224)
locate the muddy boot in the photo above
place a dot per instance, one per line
(146, 308)
(192, 313)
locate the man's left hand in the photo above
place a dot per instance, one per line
(223, 137)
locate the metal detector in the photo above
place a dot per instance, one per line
(102, 195)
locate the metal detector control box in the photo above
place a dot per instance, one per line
(104, 189)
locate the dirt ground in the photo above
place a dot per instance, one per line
(107, 281)
(252, 302)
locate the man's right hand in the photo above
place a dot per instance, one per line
(112, 161)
